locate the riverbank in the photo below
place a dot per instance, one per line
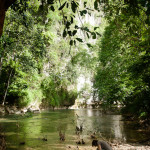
(18, 111)
(114, 146)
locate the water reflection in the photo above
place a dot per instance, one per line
(47, 125)
(108, 126)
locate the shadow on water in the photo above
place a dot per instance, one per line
(41, 131)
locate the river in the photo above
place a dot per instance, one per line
(41, 131)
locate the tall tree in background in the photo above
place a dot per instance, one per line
(124, 57)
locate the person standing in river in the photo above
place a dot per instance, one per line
(101, 145)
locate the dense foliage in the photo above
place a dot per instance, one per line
(124, 57)
(40, 57)
(33, 59)
(46, 45)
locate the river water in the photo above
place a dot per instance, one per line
(28, 132)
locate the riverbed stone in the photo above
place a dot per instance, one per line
(2, 110)
(8, 110)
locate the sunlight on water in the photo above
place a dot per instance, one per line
(29, 133)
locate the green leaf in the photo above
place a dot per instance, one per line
(90, 9)
(74, 32)
(76, 27)
(68, 24)
(96, 5)
(67, 5)
(95, 28)
(52, 8)
(85, 4)
(93, 35)
(87, 35)
(61, 7)
(85, 29)
(74, 42)
(70, 33)
(83, 12)
(71, 19)
(50, 1)
(71, 42)
(65, 17)
(80, 40)
(64, 33)
(89, 45)
(74, 6)
(98, 34)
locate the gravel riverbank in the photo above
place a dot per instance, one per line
(114, 146)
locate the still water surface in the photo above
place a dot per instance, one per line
(33, 129)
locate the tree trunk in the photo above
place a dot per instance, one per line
(1, 64)
(53, 108)
(5, 94)
(4, 5)
(2, 17)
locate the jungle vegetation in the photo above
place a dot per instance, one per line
(44, 48)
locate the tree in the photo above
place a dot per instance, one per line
(123, 71)
(31, 48)
(4, 5)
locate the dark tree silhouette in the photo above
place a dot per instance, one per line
(4, 5)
